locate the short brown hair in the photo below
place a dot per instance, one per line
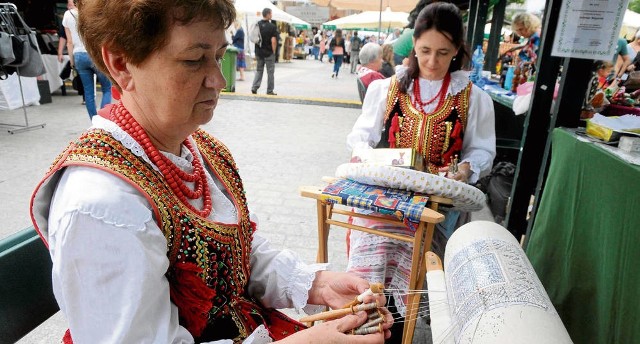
(139, 27)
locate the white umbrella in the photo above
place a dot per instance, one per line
(370, 5)
(370, 20)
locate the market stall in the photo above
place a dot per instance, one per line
(584, 242)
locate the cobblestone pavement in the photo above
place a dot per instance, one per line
(278, 146)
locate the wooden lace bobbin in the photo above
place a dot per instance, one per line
(339, 313)
(375, 288)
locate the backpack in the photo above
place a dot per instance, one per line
(316, 40)
(254, 34)
(355, 44)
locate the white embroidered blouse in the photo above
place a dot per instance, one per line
(479, 146)
(109, 258)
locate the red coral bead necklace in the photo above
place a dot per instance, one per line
(174, 176)
(417, 98)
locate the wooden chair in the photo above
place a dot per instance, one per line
(421, 240)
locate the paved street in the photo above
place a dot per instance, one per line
(278, 145)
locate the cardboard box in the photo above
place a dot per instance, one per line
(630, 144)
(401, 157)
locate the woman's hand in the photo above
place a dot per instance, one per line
(333, 331)
(335, 289)
(463, 174)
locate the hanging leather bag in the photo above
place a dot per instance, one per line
(28, 61)
(33, 65)
(6, 49)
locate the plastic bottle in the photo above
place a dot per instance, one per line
(477, 60)
(508, 80)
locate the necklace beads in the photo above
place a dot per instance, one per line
(442, 93)
(173, 174)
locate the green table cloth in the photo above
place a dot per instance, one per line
(585, 244)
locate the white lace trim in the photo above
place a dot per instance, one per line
(259, 336)
(100, 122)
(223, 209)
(429, 88)
(302, 278)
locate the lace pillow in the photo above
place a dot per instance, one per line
(465, 197)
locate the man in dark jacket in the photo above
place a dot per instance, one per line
(266, 53)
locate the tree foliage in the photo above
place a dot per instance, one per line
(634, 5)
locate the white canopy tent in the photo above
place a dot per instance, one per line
(370, 20)
(370, 5)
(630, 24)
(250, 11)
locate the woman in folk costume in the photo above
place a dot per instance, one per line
(145, 215)
(430, 106)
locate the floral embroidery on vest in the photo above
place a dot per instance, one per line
(437, 135)
(209, 261)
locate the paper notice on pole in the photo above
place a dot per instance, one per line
(589, 29)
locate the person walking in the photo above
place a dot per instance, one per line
(356, 43)
(316, 44)
(238, 43)
(337, 48)
(323, 45)
(266, 53)
(81, 61)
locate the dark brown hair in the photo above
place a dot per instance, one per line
(445, 18)
(139, 27)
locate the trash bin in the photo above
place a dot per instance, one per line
(229, 68)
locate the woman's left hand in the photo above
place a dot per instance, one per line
(335, 289)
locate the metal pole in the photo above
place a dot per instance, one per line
(380, 21)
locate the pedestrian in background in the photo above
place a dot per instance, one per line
(337, 48)
(81, 61)
(388, 67)
(323, 45)
(266, 53)
(238, 43)
(370, 63)
(356, 44)
(403, 46)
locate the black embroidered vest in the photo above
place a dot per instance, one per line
(438, 136)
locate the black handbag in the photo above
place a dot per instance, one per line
(65, 73)
(28, 61)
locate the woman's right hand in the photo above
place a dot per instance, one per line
(333, 332)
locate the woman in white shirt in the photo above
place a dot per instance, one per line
(430, 106)
(81, 61)
(145, 215)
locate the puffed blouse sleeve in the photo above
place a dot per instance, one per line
(367, 130)
(479, 146)
(279, 278)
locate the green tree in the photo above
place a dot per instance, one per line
(634, 5)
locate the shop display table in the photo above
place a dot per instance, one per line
(509, 127)
(584, 242)
(53, 68)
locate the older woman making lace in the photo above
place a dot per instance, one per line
(145, 215)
